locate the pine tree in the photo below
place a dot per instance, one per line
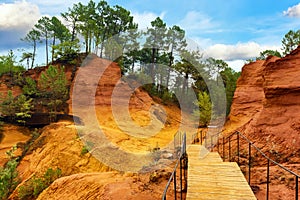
(204, 110)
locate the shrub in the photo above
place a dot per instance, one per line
(204, 110)
(33, 187)
(8, 175)
(84, 150)
(30, 87)
(16, 108)
(53, 84)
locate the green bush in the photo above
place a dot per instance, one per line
(84, 150)
(8, 64)
(204, 110)
(33, 187)
(18, 108)
(53, 84)
(30, 87)
(8, 176)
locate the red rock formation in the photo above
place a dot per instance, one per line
(107, 77)
(266, 108)
(266, 105)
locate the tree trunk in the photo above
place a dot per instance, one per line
(90, 42)
(169, 68)
(53, 44)
(152, 65)
(73, 31)
(47, 49)
(185, 85)
(102, 43)
(33, 54)
(27, 60)
(86, 44)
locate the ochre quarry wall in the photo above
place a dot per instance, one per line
(266, 106)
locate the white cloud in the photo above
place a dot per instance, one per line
(144, 19)
(19, 15)
(235, 55)
(239, 51)
(196, 21)
(293, 11)
(236, 65)
(55, 7)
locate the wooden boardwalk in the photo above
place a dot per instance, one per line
(211, 178)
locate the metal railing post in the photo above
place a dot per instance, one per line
(249, 164)
(229, 150)
(201, 135)
(218, 144)
(297, 188)
(174, 178)
(223, 148)
(180, 166)
(238, 148)
(174, 142)
(268, 180)
(211, 142)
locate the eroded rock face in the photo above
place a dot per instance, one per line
(80, 186)
(98, 82)
(266, 106)
(59, 147)
(108, 186)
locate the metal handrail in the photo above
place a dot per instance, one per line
(182, 163)
(267, 157)
(238, 134)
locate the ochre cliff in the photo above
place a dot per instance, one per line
(266, 106)
(59, 144)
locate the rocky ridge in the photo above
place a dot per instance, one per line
(266, 109)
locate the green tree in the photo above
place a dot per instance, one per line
(204, 109)
(60, 32)
(53, 84)
(215, 65)
(132, 46)
(23, 106)
(8, 175)
(33, 37)
(263, 55)
(102, 30)
(44, 27)
(117, 21)
(26, 56)
(88, 24)
(229, 77)
(175, 42)
(30, 87)
(8, 105)
(8, 64)
(188, 67)
(72, 17)
(34, 186)
(16, 108)
(155, 40)
(66, 51)
(290, 41)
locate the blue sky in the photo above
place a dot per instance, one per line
(232, 30)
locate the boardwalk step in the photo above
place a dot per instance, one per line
(210, 178)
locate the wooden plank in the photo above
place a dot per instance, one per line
(210, 178)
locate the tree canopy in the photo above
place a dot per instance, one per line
(158, 54)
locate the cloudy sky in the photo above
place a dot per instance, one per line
(232, 30)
